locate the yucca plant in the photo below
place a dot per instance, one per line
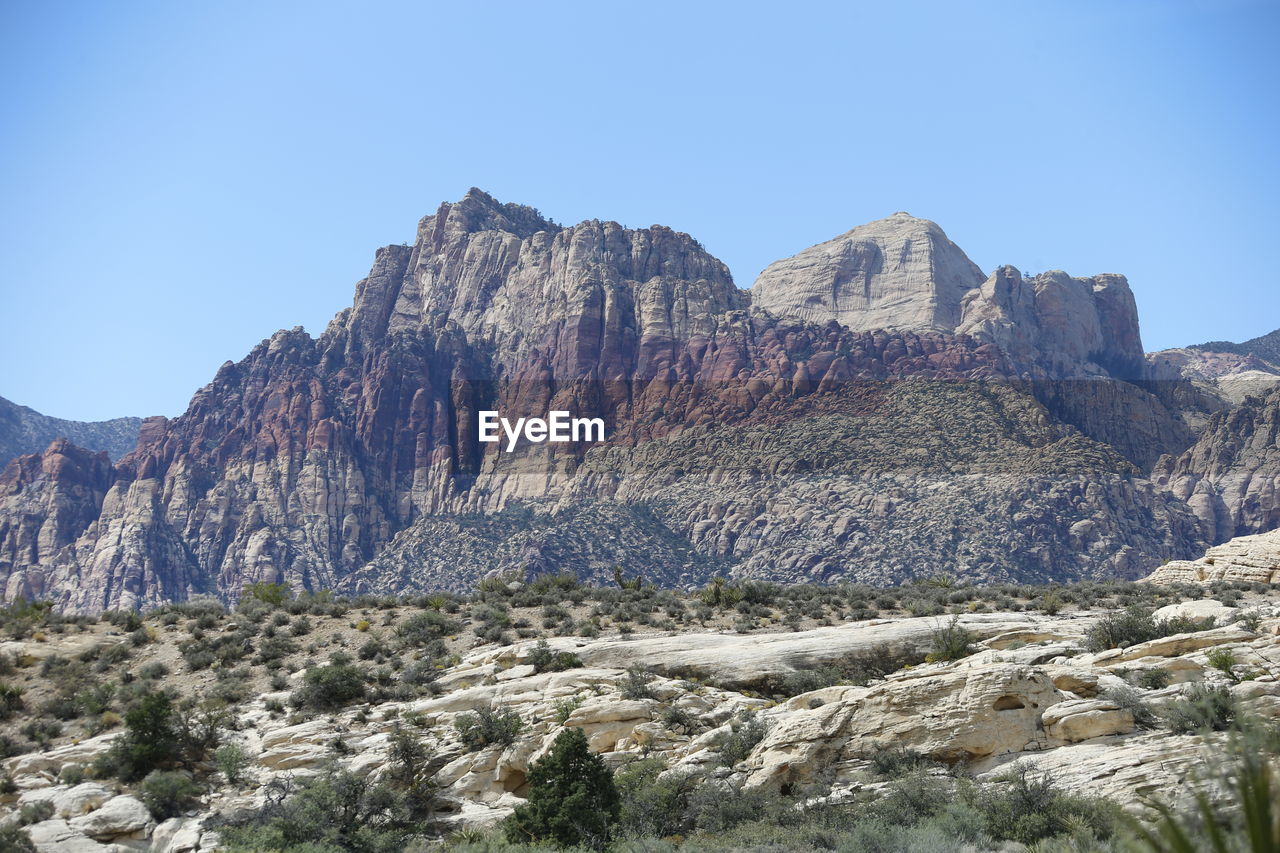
(1257, 830)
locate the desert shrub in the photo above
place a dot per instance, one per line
(422, 628)
(41, 732)
(420, 672)
(1128, 699)
(572, 802)
(1223, 659)
(331, 812)
(153, 671)
(1201, 708)
(744, 733)
(544, 659)
(150, 740)
(71, 774)
(10, 747)
(1134, 625)
(486, 726)
(410, 768)
(168, 793)
(650, 806)
(327, 688)
(896, 762)
(10, 700)
(274, 649)
(22, 617)
(950, 641)
(35, 812)
(678, 719)
(1155, 679)
(1030, 807)
(1250, 620)
(231, 760)
(15, 839)
(564, 708)
(274, 594)
(635, 684)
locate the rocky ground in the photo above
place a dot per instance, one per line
(792, 693)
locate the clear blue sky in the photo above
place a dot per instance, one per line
(179, 180)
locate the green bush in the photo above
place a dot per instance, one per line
(274, 594)
(1155, 679)
(485, 727)
(327, 688)
(1201, 708)
(572, 802)
(1224, 660)
(421, 629)
(168, 793)
(328, 813)
(231, 760)
(1135, 624)
(650, 806)
(10, 700)
(40, 810)
(150, 740)
(896, 762)
(635, 684)
(950, 642)
(14, 839)
(744, 733)
(1030, 808)
(544, 659)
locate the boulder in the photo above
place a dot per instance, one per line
(119, 816)
(1178, 644)
(57, 836)
(177, 835)
(70, 802)
(1205, 608)
(1084, 719)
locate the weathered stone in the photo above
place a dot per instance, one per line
(1085, 719)
(117, 817)
(1255, 559)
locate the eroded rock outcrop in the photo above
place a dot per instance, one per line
(1006, 446)
(1254, 559)
(1231, 476)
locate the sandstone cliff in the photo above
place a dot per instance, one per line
(1004, 435)
(1231, 476)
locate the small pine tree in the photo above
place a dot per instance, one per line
(573, 801)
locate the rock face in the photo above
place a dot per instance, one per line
(1255, 559)
(1231, 376)
(994, 430)
(1231, 476)
(900, 273)
(24, 430)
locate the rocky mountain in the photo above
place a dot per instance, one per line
(1265, 347)
(1226, 370)
(874, 408)
(24, 430)
(1231, 476)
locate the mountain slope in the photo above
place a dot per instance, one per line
(1231, 476)
(24, 430)
(756, 441)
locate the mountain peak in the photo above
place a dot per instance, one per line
(479, 211)
(900, 272)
